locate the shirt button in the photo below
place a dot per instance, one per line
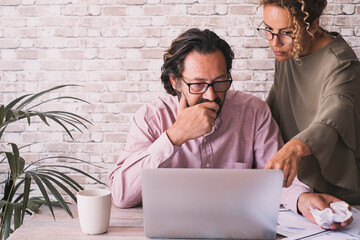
(208, 165)
(204, 140)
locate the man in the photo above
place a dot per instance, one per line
(200, 123)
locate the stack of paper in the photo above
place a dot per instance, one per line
(294, 226)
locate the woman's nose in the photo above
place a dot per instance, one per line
(275, 42)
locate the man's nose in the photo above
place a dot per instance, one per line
(210, 94)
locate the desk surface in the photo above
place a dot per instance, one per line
(124, 224)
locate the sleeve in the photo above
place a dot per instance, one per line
(146, 147)
(268, 139)
(271, 98)
(290, 195)
(332, 134)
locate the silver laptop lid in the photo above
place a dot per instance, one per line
(211, 203)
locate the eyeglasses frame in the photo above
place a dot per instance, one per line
(274, 34)
(208, 85)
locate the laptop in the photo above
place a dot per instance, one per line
(211, 203)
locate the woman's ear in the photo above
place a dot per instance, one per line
(314, 26)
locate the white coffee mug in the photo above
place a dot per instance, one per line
(94, 207)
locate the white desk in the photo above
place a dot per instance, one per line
(124, 224)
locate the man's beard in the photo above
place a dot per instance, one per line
(202, 100)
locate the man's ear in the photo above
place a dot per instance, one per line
(173, 81)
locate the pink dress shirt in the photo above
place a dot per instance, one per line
(244, 136)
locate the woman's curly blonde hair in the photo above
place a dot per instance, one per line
(302, 14)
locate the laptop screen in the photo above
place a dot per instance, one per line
(211, 203)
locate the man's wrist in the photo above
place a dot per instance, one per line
(173, 137)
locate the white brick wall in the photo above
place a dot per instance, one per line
(113, 48)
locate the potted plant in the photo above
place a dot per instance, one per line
(49, 177)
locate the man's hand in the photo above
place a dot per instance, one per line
(287, 159)
(192, 122)
(319, 201)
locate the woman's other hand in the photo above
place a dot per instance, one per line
(319, 201)
(287, 159)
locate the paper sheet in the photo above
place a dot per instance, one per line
(331, 235)
(294, 226)
(354, 228)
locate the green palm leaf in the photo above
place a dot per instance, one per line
(43, 191)
(62, 186)
(56, 194)
(7, 221)
(49, 178)
(26, 195)
(16, 187)
(11, 160)
(18, 148)
(17, 215)
(16, 163)
(42, 117)
(60, 157)
(15, 150)
(9, 185)
(76, 170)
(16, 113)
(35, 96)
(3, 203)
(63, 177)
(9, 115)
(57, 120)
(2, 114)
(14, 102)
(27, 115)
(62, 125)
(19, 161)
(34, 204)
(59, 98)
(74, 116)
(71, 120)
(2, 130)
(12, 115)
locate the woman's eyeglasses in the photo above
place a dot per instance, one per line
(283, 36)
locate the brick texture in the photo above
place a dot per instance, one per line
(113, 48)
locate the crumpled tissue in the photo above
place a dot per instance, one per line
(326, 217)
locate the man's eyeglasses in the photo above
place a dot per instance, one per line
(283, 36)
(200, 88)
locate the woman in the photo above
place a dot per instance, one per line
(314, 99)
